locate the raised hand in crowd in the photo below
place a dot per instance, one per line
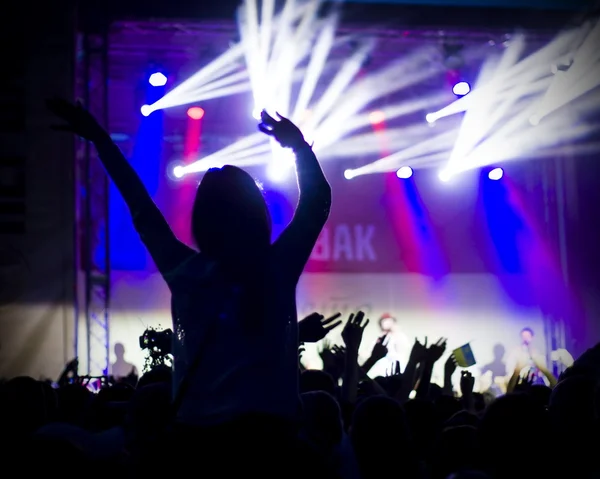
(333, 358)
(352, 335)
(394, 370)
(282, 129)
(70, 372)
(378, 352)
(76, 119)
(467, 383)
(315, 327)
(339, 353)
(449, 369)
(450, 365)
(79, 121)
(380, 349)
(431, 355)
(326, 355)
(418, 353)
(525, 382)
(436, 350)
(353, 331)
(514, 380)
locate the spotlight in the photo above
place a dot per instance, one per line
(146, 110)
(444, 176)
(157, 79)
(278, 172)
(376, 117)
(404, 173)
(178, 171)
(430, 118)
(462, 88)
(281, 164)
(348, 174)
(496, 174)
(195, 113)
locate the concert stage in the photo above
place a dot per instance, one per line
(473, 260)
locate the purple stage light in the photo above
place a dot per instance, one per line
(404, 173)
(157, 79)
(496, 174)
(462, 88)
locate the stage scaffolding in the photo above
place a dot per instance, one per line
(93, 258)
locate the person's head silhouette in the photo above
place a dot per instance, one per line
(231, 225)
(230, 218)
(499, 352)
(119, 351)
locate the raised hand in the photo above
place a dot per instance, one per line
(315, 327)
(525, 382)
(435, 351)
(327, 356)
(418, 351)
(325, 347)
(353, 330)
(467, 382)
(76, 119)
(333, 360)
(72, 366)
(283, 130)
(394, 370)
(450, 366)
(380, 349)
(339, 355)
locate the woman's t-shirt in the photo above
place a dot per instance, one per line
(238, 372)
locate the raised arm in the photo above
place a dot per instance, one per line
(166, 251)
(314, 200)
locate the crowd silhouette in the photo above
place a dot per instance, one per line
(238, 400)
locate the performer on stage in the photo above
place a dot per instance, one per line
(529, 360)
(397, 343)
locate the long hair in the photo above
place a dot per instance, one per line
(231, 225)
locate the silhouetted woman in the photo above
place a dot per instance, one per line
(234, 301)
